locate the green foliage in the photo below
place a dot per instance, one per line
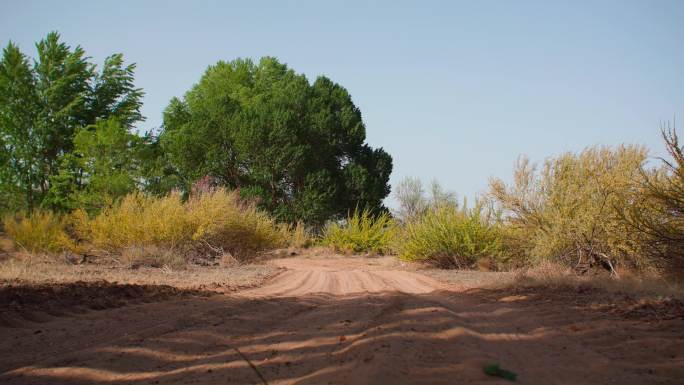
(108, 158)
(103, 168)
(41, 232)
(496, 371)
(567, 212)
(448, 236)
(42, 107)
(64, 187)
(296, 147)
(361, 232)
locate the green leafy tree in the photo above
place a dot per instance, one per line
(156, 175)
(19, 138)
(297, 147)
(44, 103)
(65, 186)
(104, 166)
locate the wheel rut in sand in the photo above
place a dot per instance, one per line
(311, 280)
(351, 321)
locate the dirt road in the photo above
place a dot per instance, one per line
(343, 321)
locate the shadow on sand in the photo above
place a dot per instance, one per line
(386, 338)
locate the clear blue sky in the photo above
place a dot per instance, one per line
(453, 90)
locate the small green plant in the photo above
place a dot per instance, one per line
(449, 237)
(361, 232)
(496, 371)
(40, 232)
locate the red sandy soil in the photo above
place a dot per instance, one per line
(348, 321)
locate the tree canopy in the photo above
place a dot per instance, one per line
(68, 140)
(299, 148)
(44, 103)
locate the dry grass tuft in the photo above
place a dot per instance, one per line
(636, 284)
(361, 232)
(159, 231)
(152, 256)
(42, 232)
(43, 270)
(299, 236)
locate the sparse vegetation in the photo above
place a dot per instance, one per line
(554, 275)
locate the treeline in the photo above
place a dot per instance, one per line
(69, 140)
(254, 156)
(57, 114)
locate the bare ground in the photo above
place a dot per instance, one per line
(353, 321)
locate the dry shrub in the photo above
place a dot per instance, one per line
(554, 275)
(222, 221)
(658, 213)
(546, 273)
(567, 212)
(41, 232)
(361, 232)
(449, 237)
(215, 222)
(299, 236)
(138, 220)
(14, 269)
(152, 256)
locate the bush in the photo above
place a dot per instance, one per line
(658, 212)
(451, 237)
(569, 212)
(215, 222)
(138, 220)
(223, 221)
(41, 232)
(361, 232)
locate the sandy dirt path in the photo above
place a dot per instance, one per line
(343, 321)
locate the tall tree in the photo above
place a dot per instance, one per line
(43, 104)
(103, 167)
(19, 137)
(297, 147)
